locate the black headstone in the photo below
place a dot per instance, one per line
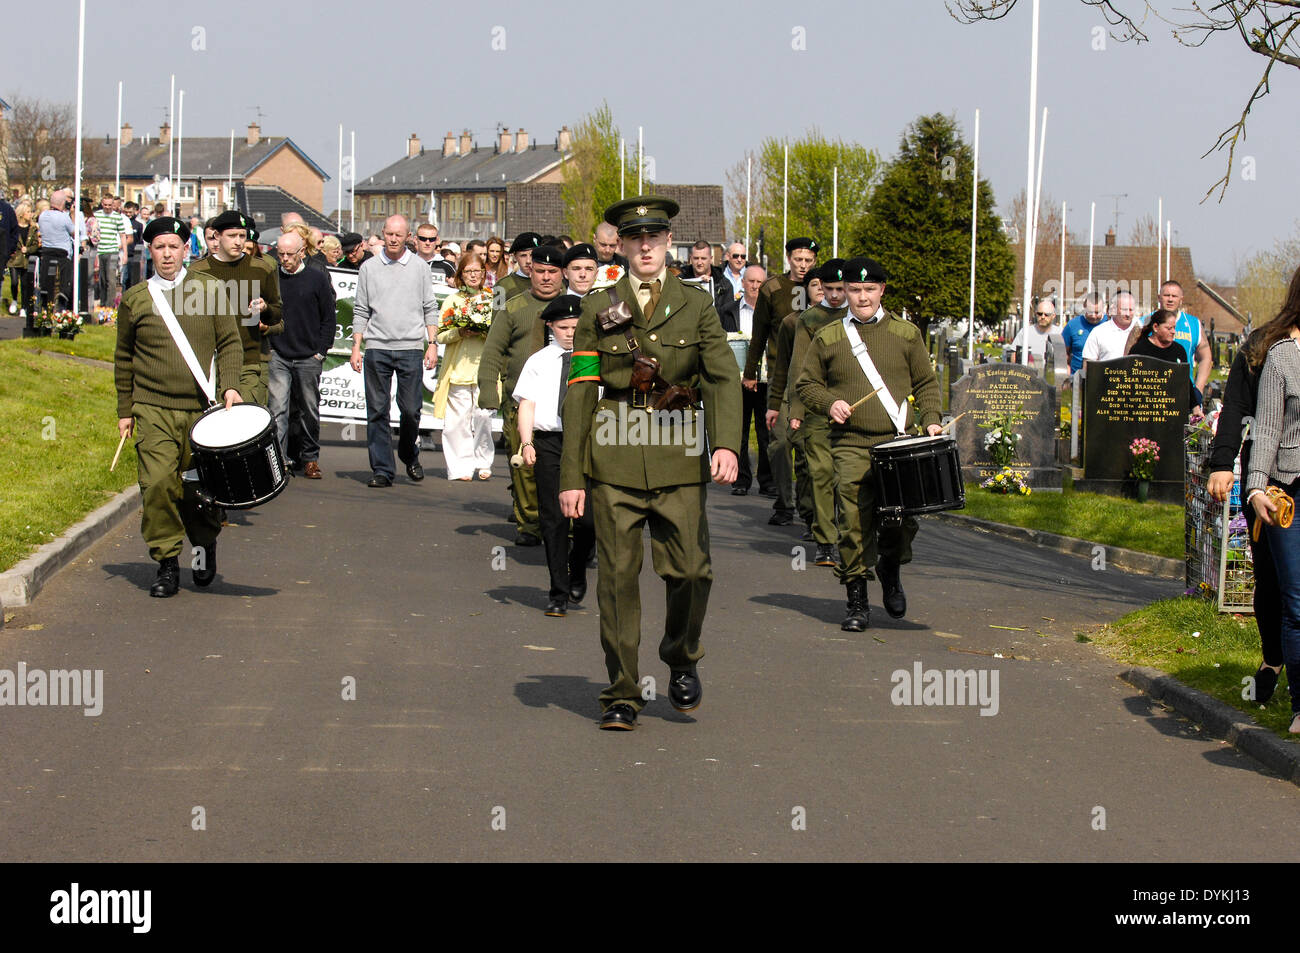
(1133, 397)
(989, 390)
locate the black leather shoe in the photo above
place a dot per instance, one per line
(168, 582)
(859, 614)
(740, 491)
(618, 717)
(557, 608)
(380, 480)
(577, 590)
(894, 599)
(685, 690)
(415, 472)
(781, 518)
(826, 555)
(527, 539)
(1265, 684)
(204, 577)
(769, 491)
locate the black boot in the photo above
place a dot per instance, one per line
(169, 578)
(894, 599)
(859, 614)
(204, 576)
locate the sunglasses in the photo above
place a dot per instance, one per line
(737, 256)
(426, 238)
(1044, 314)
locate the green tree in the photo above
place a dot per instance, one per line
(918, 227)
(591, 176)
(813, 161)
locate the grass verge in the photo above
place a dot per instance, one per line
(94, 341)
(1146, 527)
(1191, 640)
(60, 427)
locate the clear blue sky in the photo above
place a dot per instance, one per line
(706, 81)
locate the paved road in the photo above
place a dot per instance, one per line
(473, 708)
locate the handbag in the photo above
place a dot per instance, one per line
(1282, 515)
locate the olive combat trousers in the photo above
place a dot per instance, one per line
(863, 538)
(254, 384)
(523, 481)
(815, 435)
(169, 507)
(679, 547)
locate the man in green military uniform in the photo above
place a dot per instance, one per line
(777, 415)
(517, 282)
(811, 430)
(254, 289)
(780, 295)
(658, 348)
(515, 335)
(846, 361)
(159, 396)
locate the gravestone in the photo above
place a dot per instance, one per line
(1124, 399)
(988, 390)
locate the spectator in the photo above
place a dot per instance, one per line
(1040, 333)
(737, 316)
(1158, 341)
(1080, 327)
(1189, 332)
(495, 259)
(9, 236)
(426, 246)
(580, 269)
(703, 271)
(734, 270)
(115, 236)
(467, 429)
(475, 247)
(1108, 340)
(394, 306)
(332, 250)
(298, 354)
(355, 253)
(374, 244)
(198, 246)
(19, 270)
(450, 251)
(130, 258)
(56, 234)
(606, 241)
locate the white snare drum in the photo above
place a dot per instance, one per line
(237, 456)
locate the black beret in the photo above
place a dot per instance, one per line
(525, 241)
(794, 243)
(641, 214)
(548, 255)
(832, 270)
(579, 251)
(865, 269)
(350, 240)
(230, 219)
(565, 306)
(166, 225)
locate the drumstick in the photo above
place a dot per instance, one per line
(953, 421)
(121, 443)
(858, 403)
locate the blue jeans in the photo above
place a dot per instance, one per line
(1285, 547)
(378, 368)
(296, 383)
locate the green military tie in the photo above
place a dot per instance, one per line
(653, 288)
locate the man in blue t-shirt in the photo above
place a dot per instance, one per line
(1189, 332)
(1080, 326)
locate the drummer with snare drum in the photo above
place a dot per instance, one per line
(178, 348)
(848, 359)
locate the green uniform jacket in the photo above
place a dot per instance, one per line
(779, 370)
(806, 327)
(686, 336)
(777, 297)
(258, 278)
(148, 367)
(830, 372)
(512, 284)
(516, 334)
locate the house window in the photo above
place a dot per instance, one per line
(456, 208)
(484, 206)
(185, 192)
(210, 201)
(403, 204)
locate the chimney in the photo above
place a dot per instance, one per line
(563, 140)
(466, 142)
(254, 133)
(1110, 236)
(164, 134)
(448, 145)
(125, 136)
(413, 146)
(521, 140)
(503, 144)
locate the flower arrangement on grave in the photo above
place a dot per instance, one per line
(1005, 481)
(60, 321)
(1146, 454)
(105, 316)
(1001, 441)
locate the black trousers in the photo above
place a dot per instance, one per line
(754, 405)
(1268, 595)
(568, 565)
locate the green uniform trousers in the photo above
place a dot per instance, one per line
(253, 384)
(863, 537)
(523, 481)
(679, 548)
(815, 436)
(778, 458)
(169, 507)
(803, 485)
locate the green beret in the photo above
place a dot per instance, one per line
(579, 253)
(865, 269)
(565, 306)
(548, 255)
(832, 270)
(796, 243)
(165, 225)
(641, 214)
(230, 219)
(525, 241)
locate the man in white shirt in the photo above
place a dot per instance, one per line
(1040, 333)
(1108, 339)
(734, 270)
(540, 391)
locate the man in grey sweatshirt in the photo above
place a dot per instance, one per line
(396, 312)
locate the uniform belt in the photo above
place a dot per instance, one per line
(643, 400)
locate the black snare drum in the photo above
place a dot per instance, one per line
(917, 475)
(237, 456)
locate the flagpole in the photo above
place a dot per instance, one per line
(1160, 227)
(622, 153)
(749, 166)
(171, 143)
(785, 203)
(76, 188)
(835, 212)
(974, 211)
(1038, 172)
(180, 147)
(230, 173)
(1092, 223)
(117, 174)
(1168, 233)
(1062, 314)
(640, 160)
(352, 212)
(1030, 210)
(340, 202)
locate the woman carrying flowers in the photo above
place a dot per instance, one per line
(467, 429)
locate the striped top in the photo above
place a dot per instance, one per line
(112, 225)
(1277, 418)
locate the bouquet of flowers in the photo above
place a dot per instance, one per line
(105, 316)
(1006, 480)
(59, 320)
(1001, 440)
(473, 315)
(1146, 454)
